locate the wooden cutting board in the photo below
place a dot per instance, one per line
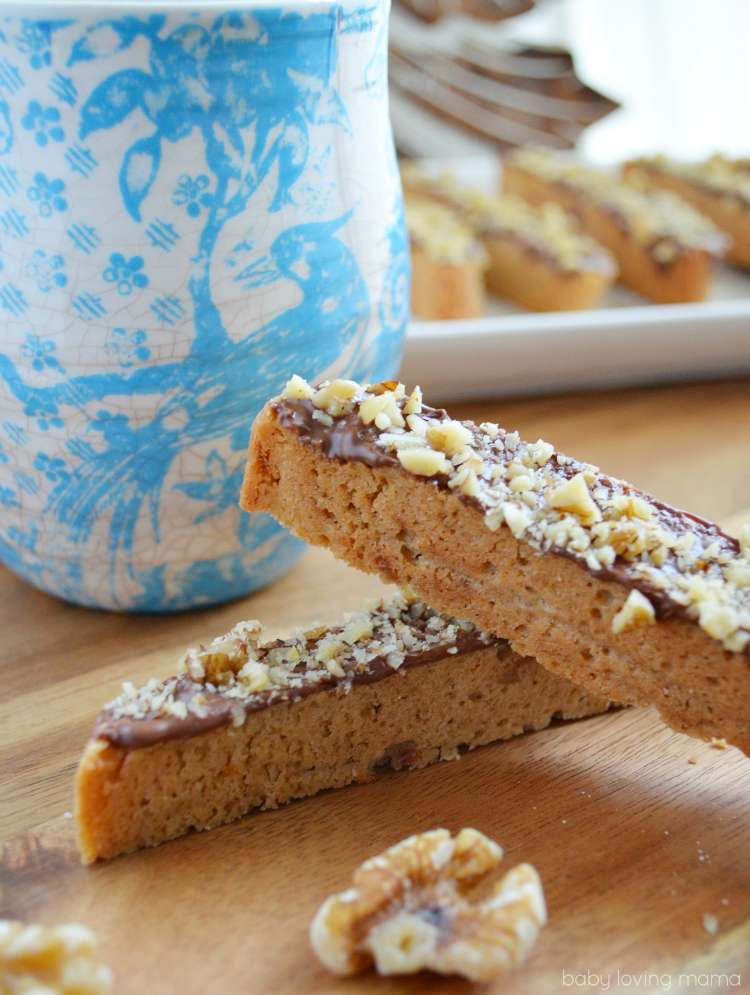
(634, 843)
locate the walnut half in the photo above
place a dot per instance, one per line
(57, 960)
(408, 910)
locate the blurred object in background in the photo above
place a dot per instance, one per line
(460, 85)
(485, 10)
(447, 263)
(718, 188)
(678, 69)
(536, 256)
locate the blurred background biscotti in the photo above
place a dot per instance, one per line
(635, 114)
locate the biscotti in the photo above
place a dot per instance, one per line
(247, 726)
(537, 255)
(447, 264)
(665, 249)
(719, 188)
(600, 582)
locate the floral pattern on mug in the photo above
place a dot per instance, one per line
(182, 232)
(188, 192)
(46, 193)
(43, 121)
(125, 272)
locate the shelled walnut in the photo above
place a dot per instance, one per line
(408, 909)
(58, 960)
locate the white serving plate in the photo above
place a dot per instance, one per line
(623, 342)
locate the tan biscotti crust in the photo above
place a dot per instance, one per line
(734, 221)
(388, 521)
(131, 798)
(443, 291)
(516, 272)
(687, 279)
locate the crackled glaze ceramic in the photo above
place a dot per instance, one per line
(195, 202)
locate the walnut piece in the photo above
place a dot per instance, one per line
(634, 614)
(298, 389)
(423, 461)
(449, 437)
(573, 496)
(50, 961)
(408, 910)
(383, 410)
(335, 396)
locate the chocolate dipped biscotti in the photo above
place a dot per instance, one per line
(718, 188)
(447, 263)
(600, 582)
(248, 726)
(537, 256)
(664, 248)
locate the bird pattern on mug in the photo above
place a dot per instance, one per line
(184, 241)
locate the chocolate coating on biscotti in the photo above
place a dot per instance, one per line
(348, 438)
(218, 685)
(524, 542)
(130, 798)
(660, 221)
(545, 232)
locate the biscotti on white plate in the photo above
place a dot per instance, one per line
(538, 256)
(719, 188)
(665, 249)
(245, 725)
(447, 263)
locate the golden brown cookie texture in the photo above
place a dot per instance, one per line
(531, 545)
(247, 725)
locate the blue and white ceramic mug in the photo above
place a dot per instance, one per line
(196, 200)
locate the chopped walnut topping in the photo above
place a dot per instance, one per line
(635, 613)
(554, 503)
(408, 910)
(450, 437)
(573, 495)
(358, 629)
(236, 670)
(631, 506)
(738, 573)
(414, 404)
(298, 389)
(546, 230)
(423, 461)
(745, 541)
(384, 407)
(719, 621)
(717, 175)
(225, 657)
(658, 220)
(441, 233)
(333, 398)
(57, 960)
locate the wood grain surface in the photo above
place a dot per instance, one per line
(633, 842)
